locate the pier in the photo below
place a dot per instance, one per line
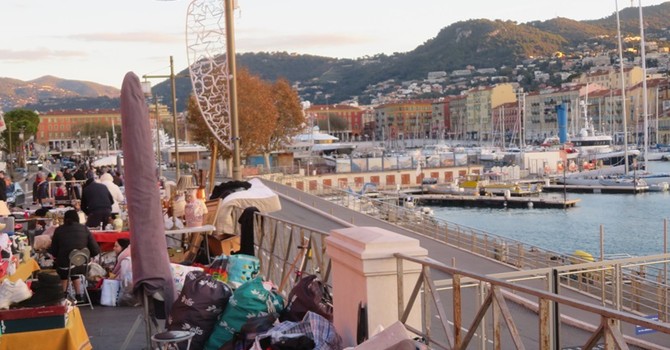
(595, 189)
(495, 201)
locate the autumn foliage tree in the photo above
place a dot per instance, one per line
(269, 114)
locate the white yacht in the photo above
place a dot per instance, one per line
(598, 148)
(313, 144)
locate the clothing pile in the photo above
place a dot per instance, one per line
(228, 306)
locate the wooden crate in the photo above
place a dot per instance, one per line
(223, 245)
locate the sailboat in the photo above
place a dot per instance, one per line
(660, 181)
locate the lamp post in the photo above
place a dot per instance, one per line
(146, 88)
(172, 77)
(11, 151)
(23, 158)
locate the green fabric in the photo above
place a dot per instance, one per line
(242, 268)
(251, 299)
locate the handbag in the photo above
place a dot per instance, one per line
(309, 294)
(109, 294)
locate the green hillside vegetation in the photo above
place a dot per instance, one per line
(655, 18)
(573, 31)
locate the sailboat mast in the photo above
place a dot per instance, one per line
(623, 89)
(645, 110)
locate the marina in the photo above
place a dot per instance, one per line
(631, 224)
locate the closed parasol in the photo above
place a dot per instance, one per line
(151, 265)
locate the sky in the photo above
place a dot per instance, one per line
(100, 41)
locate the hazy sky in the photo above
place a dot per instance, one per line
(100, 41)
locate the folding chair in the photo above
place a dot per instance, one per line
(79, 259)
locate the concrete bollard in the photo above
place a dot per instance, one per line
(364, 270)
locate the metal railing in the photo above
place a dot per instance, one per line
(490, 300)
(288, 250)
(645, 285)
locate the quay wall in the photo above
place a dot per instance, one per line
(384, 180)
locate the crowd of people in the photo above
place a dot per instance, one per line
(96, 198)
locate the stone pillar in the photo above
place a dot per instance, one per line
(364, 270)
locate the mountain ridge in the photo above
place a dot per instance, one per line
(481, 43)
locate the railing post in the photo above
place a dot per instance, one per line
(364, 269)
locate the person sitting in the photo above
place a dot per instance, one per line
(67, 237)
(122, 270)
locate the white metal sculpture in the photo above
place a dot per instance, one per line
(208, 66)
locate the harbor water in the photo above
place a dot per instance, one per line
(632, 223)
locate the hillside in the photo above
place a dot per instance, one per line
(655, 18)
(572, 31)
(17, 93)
(478, 43)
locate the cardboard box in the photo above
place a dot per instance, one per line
(176, 255)
(33, 319)
(223, 244)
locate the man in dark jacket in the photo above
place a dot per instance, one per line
(3, 187)
(96, 203)
(67, 237)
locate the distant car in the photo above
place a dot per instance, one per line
(34, 161)
(68, 164)
(15, 195)
(20, 172)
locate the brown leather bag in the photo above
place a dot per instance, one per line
(309, 294)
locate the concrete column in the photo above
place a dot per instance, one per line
(364, 270)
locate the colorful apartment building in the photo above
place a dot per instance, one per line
(480, 103)
(67, 132)
(610, 77)
(404, 119)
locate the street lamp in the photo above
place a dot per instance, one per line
(23, 155)
(174, 109)
(146, 88)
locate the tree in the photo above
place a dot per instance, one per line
(332, 123)
(257, 112)
(95, 129)
(19, 120)
(290, 117)
(268, 115)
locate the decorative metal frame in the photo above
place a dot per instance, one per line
(208, 66)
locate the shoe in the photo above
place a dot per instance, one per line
(81, 299)
(13, 292)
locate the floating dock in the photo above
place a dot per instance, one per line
(595, 189)
(494, 201)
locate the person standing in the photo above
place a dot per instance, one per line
(36, 183)
(96, 203)
(118, 179)
(107, 180)
(79, 175)
(67, 176)
(67, 237)
(41, 195)
(3, 186)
